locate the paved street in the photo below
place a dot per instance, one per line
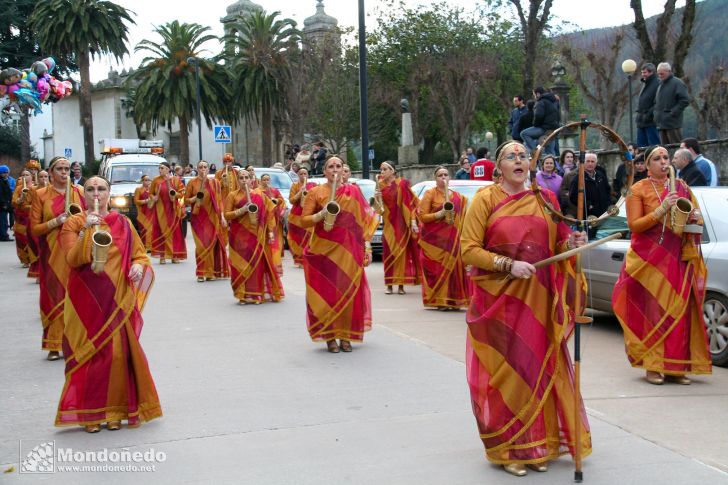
(248, 398)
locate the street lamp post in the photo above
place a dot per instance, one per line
(195, 61)
(629, 67)
(363, 113)
(489, 137)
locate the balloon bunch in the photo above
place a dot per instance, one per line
(34, 86)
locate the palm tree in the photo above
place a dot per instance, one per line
(261, 48)
(83, 29)
(165, 89)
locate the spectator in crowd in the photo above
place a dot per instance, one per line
(707, 167)
(187, 170)
(179, 171)
(518, 110)
(567, 162)
(213, 168)
(303, 158)
(546, 118)
(547, 177)
(688, 170)
(77, 177)
(526, 119)
(482, 169)
(670, 102)
(318, 157)
(646, 129)
(464, 172)
(597, 196)
(293, 172)
(470, 154)
(621, 176)
(640, 168)
(6, 203)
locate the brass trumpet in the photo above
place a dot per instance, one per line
(304, 192)
(25, 187)
(332, 207)
(376, 201)
(198, 201)
(70, 207)
(252, 208)
(101, 242)
(448, 206)
(681, 210)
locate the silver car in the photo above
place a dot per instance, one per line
(603, 264)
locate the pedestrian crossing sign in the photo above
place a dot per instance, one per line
(222, 134)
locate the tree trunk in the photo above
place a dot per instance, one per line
(266, 141)
(428, 152)
(24, 135)
(184, 141)
(84, 100)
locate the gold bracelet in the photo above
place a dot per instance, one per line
(81, 233)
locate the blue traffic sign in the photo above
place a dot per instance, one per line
(222, 134)
(67, 152)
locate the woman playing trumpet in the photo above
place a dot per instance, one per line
(658, 297)
(48, 213)
(338, 301)
(298, 236)
(145, 211)
(251, 220)
(107, 374)
(278, 212)
(444, 284)
(203, 194)
(399, 235)
(22, 200)
(519, 321)
(166, 192)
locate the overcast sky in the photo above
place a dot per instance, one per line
(149, 13)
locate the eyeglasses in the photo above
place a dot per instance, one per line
(521, 156)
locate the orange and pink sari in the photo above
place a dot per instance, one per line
(659, 295)
(400, 253)
(107, 374)
(167, 240)
(22, 221)
(444, 282)
(298, 237)
(49, 204)
(279, 210)
(518, 366)
(252, 273)
(145, 215)
(205, 220)
(338, 300)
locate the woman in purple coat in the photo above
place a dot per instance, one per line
(547, 177)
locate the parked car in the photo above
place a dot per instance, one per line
(468, 188)
(367, 189)
(603, 264)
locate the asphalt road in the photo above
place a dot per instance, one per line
(248, 398)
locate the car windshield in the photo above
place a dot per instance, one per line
(466, 190)
(279, 180)
(367, 188)
(132, 173)
(614, 224)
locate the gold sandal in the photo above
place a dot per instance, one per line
(345, 345)
(516, 469)
(332, 346)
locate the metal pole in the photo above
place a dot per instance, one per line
(631, 128)
(199, 125)
(363, 113)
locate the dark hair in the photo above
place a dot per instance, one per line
(249, 166)
(639, 158)
(481, 153)
(649, 150)
(562, 157)
(692, 143)
(518, 97)
(539, 90)
(530, 104)
(166, 164)
(648, 66)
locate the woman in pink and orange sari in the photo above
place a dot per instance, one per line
(400, 253)
(166, 192)
(252, 273)
(145, 211)
(444, 284)
(47, 216)
(107, 374)
(519, 320)
(338, 301)
(659, 295)
(279, 209)
(203, 194)
(22, 201)
(298, 236)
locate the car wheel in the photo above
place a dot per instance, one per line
(715, 313)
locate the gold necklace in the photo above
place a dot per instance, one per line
(664, 218)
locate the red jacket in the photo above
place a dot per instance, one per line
(482, 170)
